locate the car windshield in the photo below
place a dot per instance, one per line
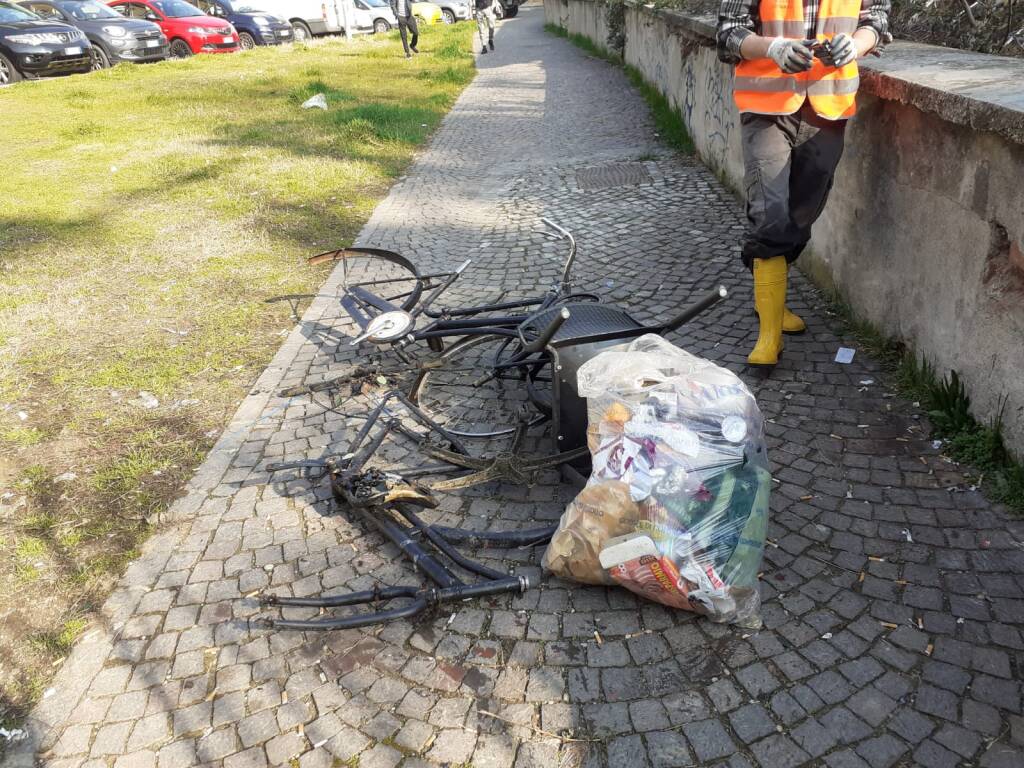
(9, 13)
(176, 9)
(89, 10)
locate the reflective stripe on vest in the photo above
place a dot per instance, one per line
(760, 86)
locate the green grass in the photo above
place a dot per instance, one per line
(667, 120)
(147, 213)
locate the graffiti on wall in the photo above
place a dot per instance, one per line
(718, 123)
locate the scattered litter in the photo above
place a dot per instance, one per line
(960, 620)
(985, 544)
(113, 169)
(597, 637)
(845, 355)
(888, 624)
(315, 102)
(15, 734)
(49, 692)
(22, 415)
(867, 382)
(936, 444)
(66, 477)
(145, 400)
(827, 636)
(929, 649)
(906, 533)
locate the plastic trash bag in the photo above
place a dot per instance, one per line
(676, 506)
(319, 101)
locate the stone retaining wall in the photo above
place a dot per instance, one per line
(924, 231)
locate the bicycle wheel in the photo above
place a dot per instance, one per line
(373, 279)
(470, 398)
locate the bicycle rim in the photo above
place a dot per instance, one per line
(456, 397)
(385, 274)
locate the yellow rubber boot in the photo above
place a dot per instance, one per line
(770, 303)
(792, 323)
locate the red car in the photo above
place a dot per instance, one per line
(188, 29)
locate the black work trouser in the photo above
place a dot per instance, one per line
(410, 23)
(789, 163)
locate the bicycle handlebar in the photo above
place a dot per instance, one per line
(567, 268)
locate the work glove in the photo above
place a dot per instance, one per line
(840, 52)
(792, 56)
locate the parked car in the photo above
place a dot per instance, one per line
(188, 29)
(113, 37)
(454, 10)
(31, 46)
(506, 9)
(307, 17)
(374, 16)
(254, 25)
(427, 13)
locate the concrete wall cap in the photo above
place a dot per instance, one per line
(977, 90)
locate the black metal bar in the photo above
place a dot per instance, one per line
(441, 288)
(485, 331)
(416, 607)
(457, 311)
(478, 322)
(495, 539)
(548, 333)
(447, 549)
(352, 598)
(421, 559)
(372, 299)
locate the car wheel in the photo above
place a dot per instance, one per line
(100, 60)
(449, 17)
(8, 74)
(301, 32)
(380, 26)
(247, 41)
(180, 49)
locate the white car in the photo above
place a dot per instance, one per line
(315, 17)
(455, 10)
(374, 16)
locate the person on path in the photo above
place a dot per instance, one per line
(485, 22)
(406, 21)
(795, 86)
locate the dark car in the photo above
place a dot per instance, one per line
(254, 26)
(113, 37)
(31, 47)
(507, 9)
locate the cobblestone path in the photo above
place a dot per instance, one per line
(893, 605)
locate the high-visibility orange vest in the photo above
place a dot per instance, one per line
(760, 86)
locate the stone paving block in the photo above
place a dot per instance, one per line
(709, 740)
(452, 746)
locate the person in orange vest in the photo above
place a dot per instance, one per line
(795, 86)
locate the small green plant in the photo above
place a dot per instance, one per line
(949, 406)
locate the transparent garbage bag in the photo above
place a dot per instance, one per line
(676, 506)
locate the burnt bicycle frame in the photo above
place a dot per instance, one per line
(385, 501)
(386, 505)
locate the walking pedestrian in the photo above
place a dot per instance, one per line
(406, 21)
(485, 22)
(795, 86)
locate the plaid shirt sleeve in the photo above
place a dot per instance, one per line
(874, 14)
(736, 20)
